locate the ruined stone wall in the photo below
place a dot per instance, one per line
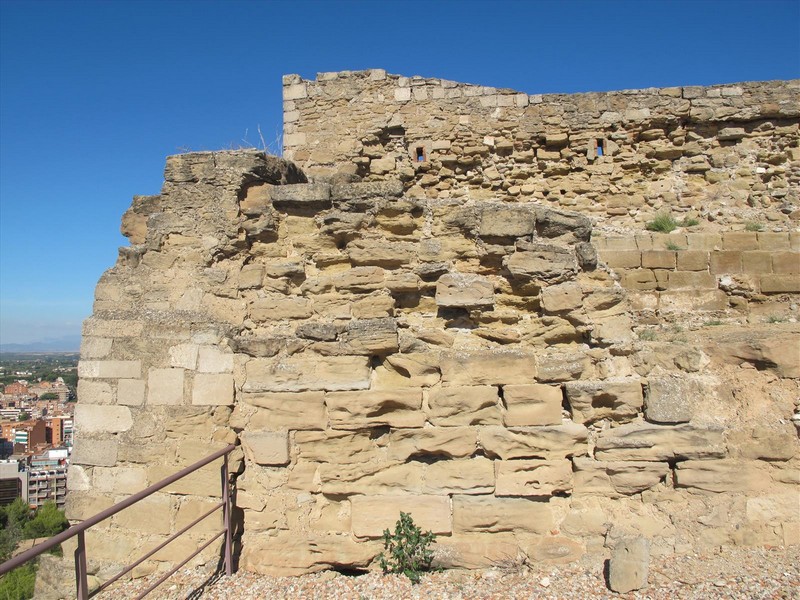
(723, 154)
(523, 387)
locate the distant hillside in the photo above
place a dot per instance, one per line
(64, 344)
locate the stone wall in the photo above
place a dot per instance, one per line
(725, 154)
(375, 346)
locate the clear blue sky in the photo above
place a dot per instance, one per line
(94, 95)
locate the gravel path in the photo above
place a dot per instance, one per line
(757, 573)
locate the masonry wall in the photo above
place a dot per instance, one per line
(479, 360)
(725, 154)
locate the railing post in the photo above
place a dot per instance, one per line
(81, 578)
(226, 516)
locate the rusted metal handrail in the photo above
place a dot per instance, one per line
(81, 575)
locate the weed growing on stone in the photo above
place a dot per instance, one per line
(712, 323)
(753, 226)
(690, 222)
(407, 551)
(776, 319)
(673, 246)
(663, 223)
(648, 335)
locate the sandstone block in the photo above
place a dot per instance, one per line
(301, 374)
(211, 359)
(562, 298)
(488, 368)
(336, 446)
(740, 240)
(569, 439)
(95, 347)
(639, 279)
(95, 392)
(658, 259)
(281, 307)
(110, 369)
(382, 253)
(463, 290)
(622, 259)
(592, 401)
(693, 280)
(119, 480)
(92, 418)
(532, 477)
(659, 442)
(692, 260)
(785, 262)
(371, 479)
(503, 220)
(616, 479)
(725, 262)
(371, 515)
(671, 398)
(371, 336)
(373, 408)
(768, 240)
(191, 509)
(288, 554)
(212, 389)
(299, 195)
(301, 410)
(130, 392)
(457, 405)
(476, 551)
(266, 447)
(412, 369)
(722, 476)
(360, 279)
(469, 476)
(165, 386)
(629, 565)
(204, 482)
(475, 514)
(780, 284)
(150, 515)
(89, 452)
(541, 262)
(82, 505)
(430, 442)
(535, 404)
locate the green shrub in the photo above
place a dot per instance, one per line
(673, 246)
(19, 583)
(407, 551)
(690, 222)
(662, 222)
(753, 226)
(647, 335)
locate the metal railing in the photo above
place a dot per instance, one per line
(81, 573)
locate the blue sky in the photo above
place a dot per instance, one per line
(95, 95)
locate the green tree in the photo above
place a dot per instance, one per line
(47, 522)
(19, 584)
(49, 396)
(24, 415)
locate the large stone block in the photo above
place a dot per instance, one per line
(94, 392)
(569, 439)
(467, 476)
(488, 368)
(92, 418)
(212, 389)
(461, 290)
(289, 554)
(637, 441)
(91, 452)
(266, 447)
(307, 373)
(380, 252)
(130, 392)
(592, 401)
(430, 442)
(476, 551)
(507, 220)
(473, 405)
(616, 479)
(110, 369)
(535, 404)
(722, 476)
(629, 565)
(475, 514)
(119, 480)
(561, 298)
(371, 336)
(541, 262)
(532, 477)
(371, 479)
(371, 515)
(150, 515)
(276, 308)
(211, 359)
(165, 386)
(372, 408)
(336, 446)
(300, 410)
(671, 398)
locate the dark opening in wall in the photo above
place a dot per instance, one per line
(601, 147)
(419, 154)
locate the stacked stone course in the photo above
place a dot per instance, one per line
(378, 345)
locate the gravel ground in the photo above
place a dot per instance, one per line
(757, 573)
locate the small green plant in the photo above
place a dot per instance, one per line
(407, 551)
(753, 226)
(690, 222)
(712, 323)
(647, 335)
(776, 319)
(673, 246)
(662, 222)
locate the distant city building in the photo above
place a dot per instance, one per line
(13, 482)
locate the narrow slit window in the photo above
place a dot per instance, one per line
(420, 153)
(601, 147)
